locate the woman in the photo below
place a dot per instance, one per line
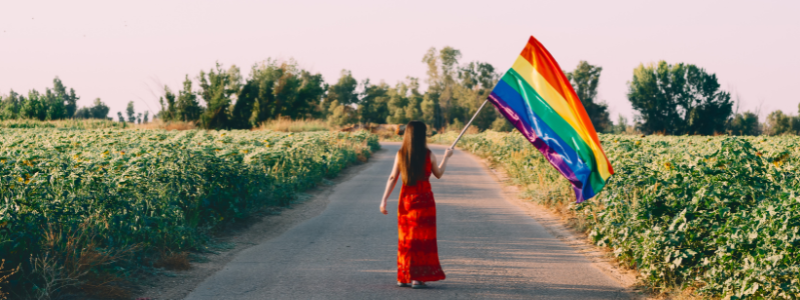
(417, 253)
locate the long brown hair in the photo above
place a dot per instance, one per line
(413, 153)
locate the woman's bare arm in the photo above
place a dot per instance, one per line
(390, 184)
(438, 170)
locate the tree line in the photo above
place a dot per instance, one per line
(55, 103)
(668, 99)
(59, 103)
(685, 99)
(676, 99)
(281, 89)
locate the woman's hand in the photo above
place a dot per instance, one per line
(448, 152)
(383, 209)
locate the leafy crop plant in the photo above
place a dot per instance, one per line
(717, 214)
(131, 193)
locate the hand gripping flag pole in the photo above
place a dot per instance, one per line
(468, 123)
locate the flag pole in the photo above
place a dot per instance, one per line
(468, 123)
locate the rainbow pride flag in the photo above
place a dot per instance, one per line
(537, 98)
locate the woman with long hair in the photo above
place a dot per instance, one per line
(417, 252)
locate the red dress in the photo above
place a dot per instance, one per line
(417, 252)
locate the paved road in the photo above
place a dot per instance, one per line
(489, 248)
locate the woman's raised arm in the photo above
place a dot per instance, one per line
(390, 183)
(438, 171)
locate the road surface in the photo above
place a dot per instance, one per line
(489, 248)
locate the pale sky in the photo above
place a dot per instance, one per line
(127, 51)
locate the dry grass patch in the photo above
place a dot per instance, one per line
(174, 261)
(66, 124)
(299, 125)
(4, 275)
(108, 288)
(72, 263)
(171, 125)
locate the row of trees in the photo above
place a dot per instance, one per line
(676, 99)
(133, 117)
(55, 103)
(277, 89)
(780, 123)
(274, 89)
(454, 94)
(669, 99)
(281, 89)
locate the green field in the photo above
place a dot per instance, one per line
(717, 214)
(80, 204)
